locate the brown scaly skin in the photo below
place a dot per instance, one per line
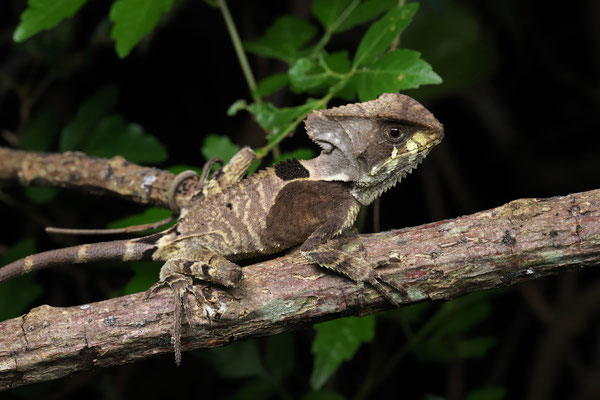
(366, 149)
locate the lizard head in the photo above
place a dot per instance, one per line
(373, 144)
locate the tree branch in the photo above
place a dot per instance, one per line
(115, 176)
(524, 239)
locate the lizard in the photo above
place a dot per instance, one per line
(366, 148)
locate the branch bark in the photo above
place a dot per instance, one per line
(524, 239)
(115, 176)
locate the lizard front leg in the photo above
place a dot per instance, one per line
(316, 250)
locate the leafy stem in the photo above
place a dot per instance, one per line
(239, 49)
(331, 28)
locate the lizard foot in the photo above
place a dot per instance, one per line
(358, 270)
(181, 285)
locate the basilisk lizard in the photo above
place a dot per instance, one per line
(366, 148)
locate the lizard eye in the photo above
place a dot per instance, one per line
(394, 134)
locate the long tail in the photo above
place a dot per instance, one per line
(118, 250)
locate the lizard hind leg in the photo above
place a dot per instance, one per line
(179, 274)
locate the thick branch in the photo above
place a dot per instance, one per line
(524, 239)
(116, 176)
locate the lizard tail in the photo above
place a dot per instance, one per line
(118, 250)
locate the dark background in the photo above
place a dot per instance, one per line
(519, 103)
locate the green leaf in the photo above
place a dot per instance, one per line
(219, 146)
(41, 132)
(323, 394)
(276, 120)
(336, 341)
(149, 215)
(279, 357)
(271, 84)
(176, 169)
(133, 19)
(113, 136)
(17, 293)
(382, 33)
(475, 347)
(239, 360)
(298, 154)
(328, 11)
(365, 12)
(394, 71)
(283, 39)
(461, 320)
(145, 274)
(308, 75)
(89, 115)
(44, 14)
(41, 195)
(255, 390)
(488, 393)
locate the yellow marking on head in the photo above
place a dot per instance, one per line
(412, 145)
(421, 138)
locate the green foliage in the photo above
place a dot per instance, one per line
(377, 67)
(97, 132)
(283, 39)
(243, 360)
(44, 14)
(338, 341)
(134, 19)
(17, 293)
(219, 146)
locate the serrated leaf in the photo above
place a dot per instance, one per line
(275, 120)
(338, 341)
(394, 71)
(488, 393)
(44, 14)
(113, 136)
(328, 11)
(89, 114)
(283, 39)
(17, 293)
(382, 33)
(134, 19)
(365, 12)
(41, 132)
(219, 146)
(279, 355)
(239, 360)
(307, 75)
(270, 85)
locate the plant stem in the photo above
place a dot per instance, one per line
(239, 50)
(333, 27)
